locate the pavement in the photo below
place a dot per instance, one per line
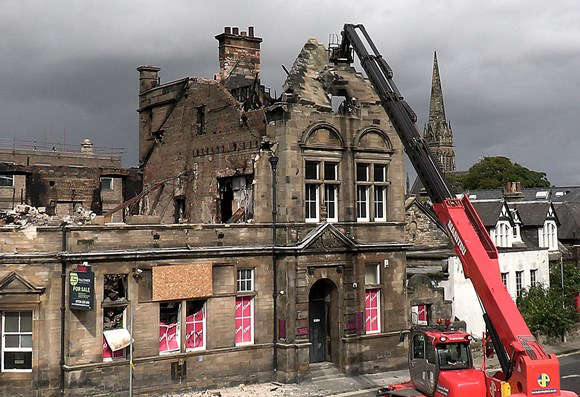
(334, 383)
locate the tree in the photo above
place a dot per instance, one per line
(551, 311)
(495, 172)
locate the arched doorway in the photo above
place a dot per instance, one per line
(323, 321)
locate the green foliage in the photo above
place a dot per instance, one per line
(552, 311)
(495, 172)
(545, 311)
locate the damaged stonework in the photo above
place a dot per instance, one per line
(25, 215)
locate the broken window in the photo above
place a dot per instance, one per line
(169, 327)
(6, 180)
(236, 198)
(106, 183)
(116, 337)
(179, 209)
(195, 333)
(420, 314)
(201, 120)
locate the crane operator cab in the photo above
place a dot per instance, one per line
(441, 363)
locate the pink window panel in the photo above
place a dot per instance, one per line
(244, 320)
(194, 330)
(108, 354)
(422, 313)
(372, 310)
(168, 338)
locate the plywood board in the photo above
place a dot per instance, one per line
(182, 281)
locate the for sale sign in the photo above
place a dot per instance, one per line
(81, 288)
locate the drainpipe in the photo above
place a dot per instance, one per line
(62, 306)
(274, 162)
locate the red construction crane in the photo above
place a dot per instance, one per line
(440, 361)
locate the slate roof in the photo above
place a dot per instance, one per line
(532, 213)
(488, 211)
(555, 194)
(569, 216)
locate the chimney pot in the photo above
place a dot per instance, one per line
(227, 30)
(235, 31)
(251, 31)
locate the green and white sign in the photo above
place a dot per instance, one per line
(81, 289)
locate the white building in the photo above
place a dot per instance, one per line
(525, 234)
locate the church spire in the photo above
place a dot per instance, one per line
(437, 107)
(437, 132)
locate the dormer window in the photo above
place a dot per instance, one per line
(548, 235)
(503, 234)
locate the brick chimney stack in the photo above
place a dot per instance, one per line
(148, 77)
(513, 190)
(239, 54)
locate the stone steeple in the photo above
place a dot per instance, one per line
(438, 133)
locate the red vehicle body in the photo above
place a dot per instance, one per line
(440, 361)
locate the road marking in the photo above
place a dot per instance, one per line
(568, 354)
(570, 376)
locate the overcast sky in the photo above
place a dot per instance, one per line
(510, 69)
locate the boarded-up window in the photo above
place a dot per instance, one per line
(372, 310)
(182, 281)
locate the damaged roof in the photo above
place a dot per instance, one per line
(313, 79)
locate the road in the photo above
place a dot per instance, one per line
(569, 374)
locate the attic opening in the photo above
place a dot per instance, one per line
(341, 103)
(236, 201)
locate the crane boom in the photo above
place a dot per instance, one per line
(522, 359)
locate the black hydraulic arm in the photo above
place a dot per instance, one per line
(400, 113)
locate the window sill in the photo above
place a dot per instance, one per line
(311, 220)
(242, 294)
(244, 344)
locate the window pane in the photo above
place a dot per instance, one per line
(371, 274)
(12, 341)
(311, 201)
(25, 321)
(26, 341)
(6, 180)
(379, 202)
(329, 201)
(330, 171)
(11, 322)
(18, 360)
(311, 170)
(361, 204)
(362, 172)
(379, 173)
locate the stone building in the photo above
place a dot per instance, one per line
(62, 180)
(218, 292)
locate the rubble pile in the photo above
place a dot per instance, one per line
(26, 215)
(80, 216)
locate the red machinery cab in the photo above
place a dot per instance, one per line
(441, 363)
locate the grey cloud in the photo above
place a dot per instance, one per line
(509, 69)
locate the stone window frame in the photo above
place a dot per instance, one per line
(503, 234)
(370, 185)
(321, 183)
(19, 333)
(181, 326)
(6, 177)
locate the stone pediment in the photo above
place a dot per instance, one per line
(326, 237)
(15, 284)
